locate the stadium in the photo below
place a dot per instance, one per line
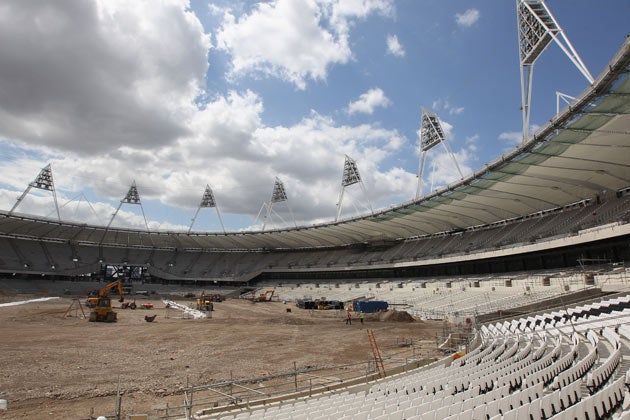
(525, 260)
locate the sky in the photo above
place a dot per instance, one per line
(175, 95)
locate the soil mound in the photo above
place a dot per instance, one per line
(395, 316)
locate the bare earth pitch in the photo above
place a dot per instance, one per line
(62, 367)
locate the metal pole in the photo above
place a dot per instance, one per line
(20, 198)
(220, 219)
(339, 203)
(194, 218)
(420, 170)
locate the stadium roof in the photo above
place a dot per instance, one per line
(583, 150)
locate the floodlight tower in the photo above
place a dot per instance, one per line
(536, 29)
(132, 197)
(350, 176)
(278, 195)
(432, 134)
(44, 181)
(207, 201)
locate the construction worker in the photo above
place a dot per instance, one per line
(361, 316)
(348, 317)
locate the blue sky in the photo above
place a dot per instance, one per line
(177, 95)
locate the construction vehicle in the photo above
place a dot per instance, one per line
(204, 302)
(264, 296)
(128, 305)
(102, 310)
(94, 295)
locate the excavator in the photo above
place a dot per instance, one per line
(263, 297)
(205, 301)
(101, 304)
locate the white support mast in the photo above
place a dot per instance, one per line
(207, 201)
(432, 134)
(44, 181)
(132, 197)
(350, 176)
(567, 99)
(537, 28)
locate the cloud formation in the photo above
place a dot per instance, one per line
(94, 75)
(444, 105)
(111, 92)
(393, 46)
(293, 40)
(468, 18)
(368, 102)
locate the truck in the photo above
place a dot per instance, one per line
(369, 306)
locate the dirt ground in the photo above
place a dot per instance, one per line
(59, 367)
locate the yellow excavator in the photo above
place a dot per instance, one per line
(204, 303)
(101, 304)
(265, 296)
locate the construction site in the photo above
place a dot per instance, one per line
(57, 364)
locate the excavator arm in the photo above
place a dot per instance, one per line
(112, 285)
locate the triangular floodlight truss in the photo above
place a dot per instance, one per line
(432, 134)
(44, 181)
(278, 195)
(132, 197)
(207, 201)
(349, 177)
(350, 173)
(537, 28)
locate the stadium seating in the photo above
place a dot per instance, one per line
(539, 367)
(24, 256)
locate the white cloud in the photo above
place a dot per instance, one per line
(93, 75)
(368, 102)
(444, 105)
(515, 138)
(294, 40)
(106, 93)
(511, 138)
(239, 157)
(394, 47)
(468, 18)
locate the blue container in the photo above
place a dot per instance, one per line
(369, 306)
